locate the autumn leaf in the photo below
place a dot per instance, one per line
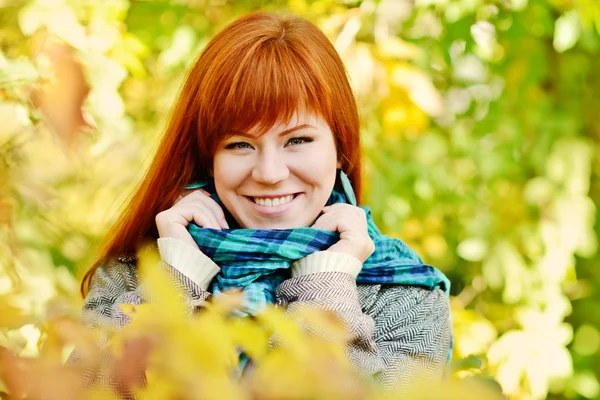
(34, 378)
(61, 97)
(11, 317)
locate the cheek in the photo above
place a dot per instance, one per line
(325, 161)
(318, 169)
(228, 173)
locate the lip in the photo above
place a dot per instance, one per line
(273, 196)
(273, 211)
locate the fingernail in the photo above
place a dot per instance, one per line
(225, 224)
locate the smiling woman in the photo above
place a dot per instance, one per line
(278, 179)
(256, 185)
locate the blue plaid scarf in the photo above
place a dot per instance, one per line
(258, 260)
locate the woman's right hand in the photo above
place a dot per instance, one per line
(192, 206)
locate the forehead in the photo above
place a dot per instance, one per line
(299, 118)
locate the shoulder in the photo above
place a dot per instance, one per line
(116, 272)
(375, 296)
(114, 282)
(409, 304)
(411, 320)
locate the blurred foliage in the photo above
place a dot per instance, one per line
(480, 132)
(162, 342)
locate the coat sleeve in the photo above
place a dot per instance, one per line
(398, 334)
(115, 283)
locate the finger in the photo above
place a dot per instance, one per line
(182, 199)
(201, 196)
(213, 220)
(205, 219)
(196, 212)
(342, 218)
(191, 195)
(339, 206)
(326, 222)
(178, 200)
(216, 210)
(348, 211)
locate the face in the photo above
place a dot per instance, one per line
(281, 179)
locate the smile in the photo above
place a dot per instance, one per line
(273, 206)
(273, 201)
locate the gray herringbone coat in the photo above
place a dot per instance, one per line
(397, 330)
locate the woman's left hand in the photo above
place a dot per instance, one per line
(351, 223)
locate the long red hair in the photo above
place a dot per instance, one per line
(256, 72)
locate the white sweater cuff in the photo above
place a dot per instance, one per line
(327, 261)
(188, 260)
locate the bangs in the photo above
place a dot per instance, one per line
(264, 86)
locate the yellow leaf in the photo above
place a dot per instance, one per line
(11, 317)
(251, 338)
(277, 378)
(288, 333)
(158, 284)
(100, 393)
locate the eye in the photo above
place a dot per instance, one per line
(298, 141)
(238, 146)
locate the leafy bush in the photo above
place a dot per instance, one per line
(196, 356)
(480, 135)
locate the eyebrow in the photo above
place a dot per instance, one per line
(282, 133)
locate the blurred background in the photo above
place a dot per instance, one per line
(480, 125)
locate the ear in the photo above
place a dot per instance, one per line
(339, 165)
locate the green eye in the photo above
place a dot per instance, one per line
(238, 146)
(299, 140)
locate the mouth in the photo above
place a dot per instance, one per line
(273, 205)
(273, 201)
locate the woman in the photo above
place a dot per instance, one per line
(260, 166)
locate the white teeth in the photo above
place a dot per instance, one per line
(273, 202)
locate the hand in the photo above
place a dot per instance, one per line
(351, 223)
(196, 206)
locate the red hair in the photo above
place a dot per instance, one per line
(260, 70)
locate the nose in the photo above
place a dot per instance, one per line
(270, 168)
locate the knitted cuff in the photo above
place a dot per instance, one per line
(188, 260)
(326, 261)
